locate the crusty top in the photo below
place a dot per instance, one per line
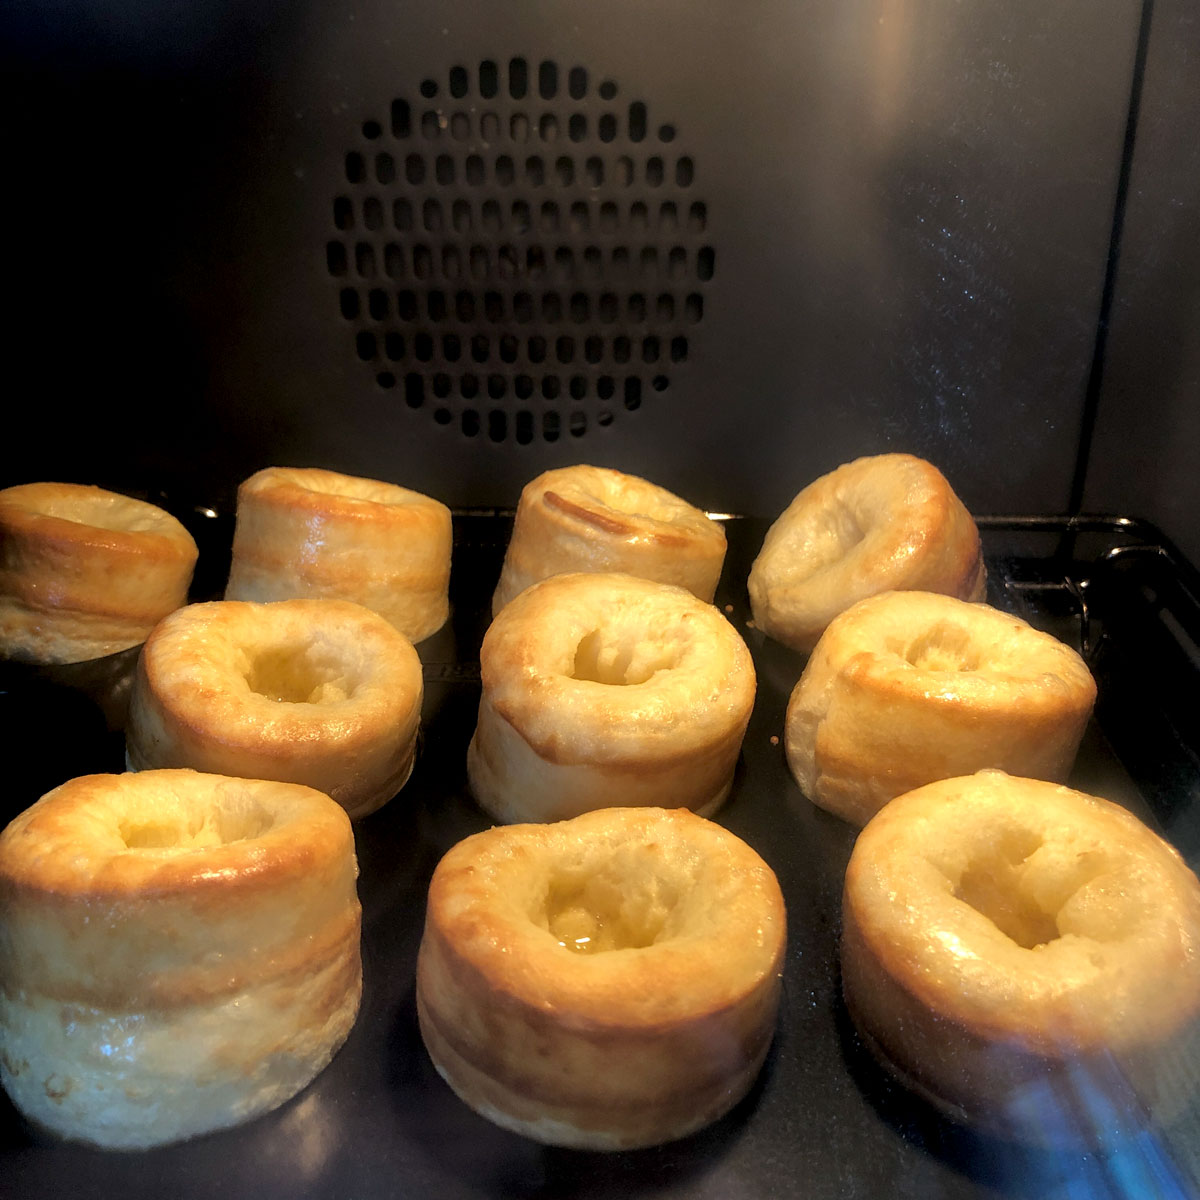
(599, 667)
(93, 514)
(318, 495)
(626, 506)
(625, 917)
(585, 518)
(1029, 911)
(962, 657)
(152, 833)
(275, 676)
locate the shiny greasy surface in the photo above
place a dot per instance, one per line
(610, 981)
(599, 687)
(85, 572)
(585, 518)
(307, 532)
(1003, 935)
(874, 525)
(180, 952)
(320, 692)
(910, 687)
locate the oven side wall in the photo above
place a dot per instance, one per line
(1147, 436)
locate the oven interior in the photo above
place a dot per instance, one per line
(723, 248)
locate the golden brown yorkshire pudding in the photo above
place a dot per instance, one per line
(596, 519)
(85, 572)
(1026, 956)
(910, 687)
(305, 532)
(603, 983)
(875, 525)
(320, 692)
(180, 952)
(602, 689)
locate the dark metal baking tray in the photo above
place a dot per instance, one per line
(823, 1119)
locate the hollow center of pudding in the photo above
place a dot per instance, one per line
(636, 500)
(195, 827)
(830, 534)
(943, 647)
(349, 488)
(996, 884)
(120, 514)
(629, 903)
(297, 674)
(844, 528)
(602, 657)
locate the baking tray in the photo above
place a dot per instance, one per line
(823, 1120)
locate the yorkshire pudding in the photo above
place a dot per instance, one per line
(305, 532)
(874, 525)
(180, 952)
(603, 689)
(1025, 956)
(603, 983)
(84, 572)
(910, 687)
(320, 692)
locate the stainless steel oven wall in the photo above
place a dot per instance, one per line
(451, 244)
(1147, 441)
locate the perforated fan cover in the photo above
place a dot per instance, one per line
(523, 257)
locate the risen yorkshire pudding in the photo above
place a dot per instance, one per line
(180, 952)
(314, 533)
(874, 525)
(596, 519)
(320, 692)
(910, 687)
(1026, 956)
(85, 572)
(603, 983)
(605, 689)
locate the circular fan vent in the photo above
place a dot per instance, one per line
(519, 253)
